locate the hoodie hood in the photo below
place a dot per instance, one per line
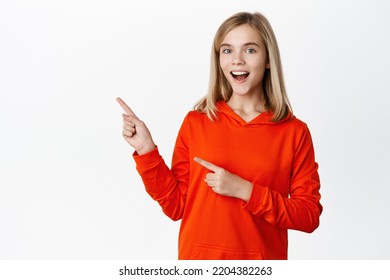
(265, 118)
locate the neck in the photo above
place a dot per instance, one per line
(248, 104)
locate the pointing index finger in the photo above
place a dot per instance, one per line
(208, 165)
(125, 107)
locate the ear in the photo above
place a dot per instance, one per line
(268, 66)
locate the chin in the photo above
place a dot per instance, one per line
(240, 92)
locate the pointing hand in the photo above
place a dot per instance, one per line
(135, 132)
(225, 183)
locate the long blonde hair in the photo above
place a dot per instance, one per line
(273, 81)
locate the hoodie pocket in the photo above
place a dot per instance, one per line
(208, 252)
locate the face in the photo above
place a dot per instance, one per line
(243, 60)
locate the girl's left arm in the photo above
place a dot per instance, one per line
(302, 209)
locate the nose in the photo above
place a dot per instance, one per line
(238, 59)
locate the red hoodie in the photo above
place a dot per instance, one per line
(277, 157)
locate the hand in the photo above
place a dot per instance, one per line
(135, 132)
(225, 183)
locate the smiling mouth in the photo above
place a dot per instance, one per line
(239, 75)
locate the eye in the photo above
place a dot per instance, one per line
(250, 50)
(227, 51)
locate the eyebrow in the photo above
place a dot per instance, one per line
(245, 45)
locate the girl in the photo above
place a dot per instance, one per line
(243, 168)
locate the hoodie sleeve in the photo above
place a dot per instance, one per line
(168, 187)
(302, 209)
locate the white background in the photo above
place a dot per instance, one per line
(68, 184)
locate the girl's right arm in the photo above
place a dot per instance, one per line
(168, 188)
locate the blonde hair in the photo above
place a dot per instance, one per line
(273, 81)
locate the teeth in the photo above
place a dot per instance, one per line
(238, 73)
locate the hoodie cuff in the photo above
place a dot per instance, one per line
(255, 202)
(147, 161)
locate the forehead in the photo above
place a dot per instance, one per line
(241, 35)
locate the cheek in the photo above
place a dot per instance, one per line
(224, 68)
(262, 62)
(260, 68)
(224, 61)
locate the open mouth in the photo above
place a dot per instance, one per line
(239, 75)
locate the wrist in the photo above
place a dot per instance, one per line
(146, 149)
(245, 190)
